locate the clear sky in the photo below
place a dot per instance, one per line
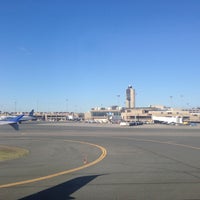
(58, 55)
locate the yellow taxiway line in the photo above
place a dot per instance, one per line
(100, 158)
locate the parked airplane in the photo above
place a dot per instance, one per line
(168, 120)
(12, 122)
(28, 117)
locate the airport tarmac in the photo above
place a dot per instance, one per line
(95, 161)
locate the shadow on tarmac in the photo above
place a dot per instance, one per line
(62, 191)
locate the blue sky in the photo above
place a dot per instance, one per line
(58, 55)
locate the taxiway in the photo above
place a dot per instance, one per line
(145, 162)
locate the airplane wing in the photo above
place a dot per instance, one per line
(12, 122)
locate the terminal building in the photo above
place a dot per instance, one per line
(131, 113)
(104, 115)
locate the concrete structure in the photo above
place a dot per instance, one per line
(104, 115)
(130, 97)
(145, 114)
(137, 114)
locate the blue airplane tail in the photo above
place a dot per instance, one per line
(31, 113)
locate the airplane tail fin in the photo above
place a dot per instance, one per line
(31, 113)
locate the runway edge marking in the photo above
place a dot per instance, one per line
(100, 158)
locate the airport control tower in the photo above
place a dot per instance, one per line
(130, 97)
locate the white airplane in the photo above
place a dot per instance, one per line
(168, 120)
(12, 122)
(24, 118)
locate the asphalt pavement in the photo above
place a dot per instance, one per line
(95, 161)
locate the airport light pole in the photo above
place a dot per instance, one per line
(66, 106)
(37, 105)
(15, 105)
(118, 96)
(181, 104)
(171, 97)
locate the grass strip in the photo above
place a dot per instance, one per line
(10, 152)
